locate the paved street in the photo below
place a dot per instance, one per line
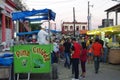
(107, 72)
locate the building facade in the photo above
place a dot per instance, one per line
(7, 27)
(116, 10)
(106, 22)
(71, 28)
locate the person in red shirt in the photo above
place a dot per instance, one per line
(83, 59)
(61, 50)
(97, 52)
(75, 55)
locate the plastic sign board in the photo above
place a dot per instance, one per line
(32, 58)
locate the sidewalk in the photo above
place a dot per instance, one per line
(106, 72)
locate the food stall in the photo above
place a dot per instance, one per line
(32, 58)
(114, 51)
(114, 45)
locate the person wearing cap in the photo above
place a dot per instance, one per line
(42, 36)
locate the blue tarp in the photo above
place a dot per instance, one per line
(36, 19)
(26, 33)
(6, 59)
(34, 32)
(45, 13)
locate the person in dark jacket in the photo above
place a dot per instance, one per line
(67, 52)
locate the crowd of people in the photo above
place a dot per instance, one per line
(74, 51)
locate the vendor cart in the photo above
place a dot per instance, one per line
(32, 58)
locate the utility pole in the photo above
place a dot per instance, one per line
(89, 16)
(74, 20)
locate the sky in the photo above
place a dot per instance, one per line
(64, 10)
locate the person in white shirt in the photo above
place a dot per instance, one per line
(42, 36)
(55, 46)
(55, 54)
(106, 50)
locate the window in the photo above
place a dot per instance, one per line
(7, 22)
(66, 28)
(83, 27)
(77, 28)
(71, 28)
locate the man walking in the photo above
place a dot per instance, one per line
(76, 51)
(97, 52)
(67, 47)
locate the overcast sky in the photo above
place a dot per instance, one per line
(64, 9)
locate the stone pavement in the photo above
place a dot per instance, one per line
(106, 72)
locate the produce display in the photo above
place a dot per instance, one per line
(113, 45)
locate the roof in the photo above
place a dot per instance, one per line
(43, 13)
(114, 8)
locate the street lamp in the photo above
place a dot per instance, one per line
(89, 16)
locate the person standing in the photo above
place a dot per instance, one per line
(106, 49)
(67, 47)
(55, 59)
(56, 51)
(83, 59)
(97, 52)
(75, 55)
(90, 53)
(61, 50)
(42, 36)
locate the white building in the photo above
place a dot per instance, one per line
(77, 28)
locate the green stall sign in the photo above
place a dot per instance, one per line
(32, 58)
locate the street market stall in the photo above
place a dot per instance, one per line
(32, 58)
(114, 31)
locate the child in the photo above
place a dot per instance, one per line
(83, 59)
(90, 53)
